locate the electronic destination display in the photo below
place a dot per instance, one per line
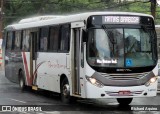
(98, 20)
(120, 20)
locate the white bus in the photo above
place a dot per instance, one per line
(87, 55)
(157, 27)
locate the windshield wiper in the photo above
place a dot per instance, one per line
(112, 40)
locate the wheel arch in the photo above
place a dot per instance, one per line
(66, 97)
(62, 77)
(19, 72)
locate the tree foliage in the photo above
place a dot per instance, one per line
(17, 9)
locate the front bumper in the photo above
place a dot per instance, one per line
(93, 91)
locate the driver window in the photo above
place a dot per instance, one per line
(102, 43)
(145, 46)
(132, 40)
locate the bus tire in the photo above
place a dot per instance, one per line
(124, 101)
(65, 91)
(21, 81)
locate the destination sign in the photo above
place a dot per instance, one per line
(120, 20)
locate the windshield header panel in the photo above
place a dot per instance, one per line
(94, 21)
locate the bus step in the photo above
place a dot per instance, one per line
(34, 87)
(75, 95)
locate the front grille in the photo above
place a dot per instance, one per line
(127, 76)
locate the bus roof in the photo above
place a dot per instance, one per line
(35, 22)
(38, 18)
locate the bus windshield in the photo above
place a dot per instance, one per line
(121, 47)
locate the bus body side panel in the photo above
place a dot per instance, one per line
(50, 66)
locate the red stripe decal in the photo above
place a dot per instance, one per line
(26, 68)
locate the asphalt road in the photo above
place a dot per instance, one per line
(11, 95)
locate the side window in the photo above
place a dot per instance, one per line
(65, 38)
(25, 44)
(10, 38)
(44, 38)
(53, 39)
(17, 41)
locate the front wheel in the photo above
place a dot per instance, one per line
(65, 91)
(124, 101)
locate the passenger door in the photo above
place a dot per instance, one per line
(33, 56)
(77, 68)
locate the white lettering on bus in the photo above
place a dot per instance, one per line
(112, 19)
(113, 61)
(121, 19)
(129, 20)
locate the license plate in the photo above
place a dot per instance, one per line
(124, 92)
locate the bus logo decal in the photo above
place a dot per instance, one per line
(35, 72)
(56, 64)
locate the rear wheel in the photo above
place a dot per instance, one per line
(21, 81)
(124, 101)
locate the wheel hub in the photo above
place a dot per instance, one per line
(21, 82)
(66, 90)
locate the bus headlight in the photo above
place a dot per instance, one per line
(94, 81)
(152, 80)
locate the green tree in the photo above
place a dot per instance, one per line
(18, 9)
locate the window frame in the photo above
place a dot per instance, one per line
(40, 37)
(25, 32)
(20, 40)
(11, 47)
(65, 27)
(54, 27)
